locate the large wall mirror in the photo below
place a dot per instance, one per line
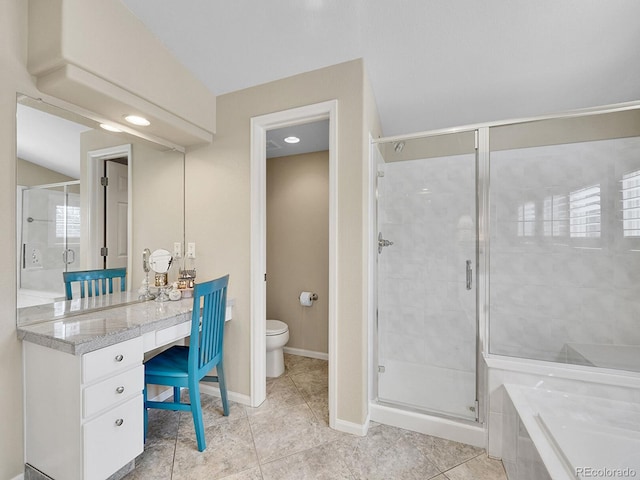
(70, 218)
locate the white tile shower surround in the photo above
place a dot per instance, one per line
(426, 317)
(547, 291)
(288, 438)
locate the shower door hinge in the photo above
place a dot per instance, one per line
(475, 408)
(380, 173)
(104, 181)
(380, 368)
(477, 139)
(104, 251)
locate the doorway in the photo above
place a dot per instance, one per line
(259, 127)
(109, 217)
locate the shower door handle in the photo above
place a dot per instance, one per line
(469, 275)
(383, 243)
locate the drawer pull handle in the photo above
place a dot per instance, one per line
(119, 422)
(120, 389)
(119, 358)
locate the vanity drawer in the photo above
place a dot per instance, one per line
(112, 359)
(171, 334)
(113, 439)
(113, 390)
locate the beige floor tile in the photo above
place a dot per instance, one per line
(315, 463)
(297, 364)
(230, 450)
(479, 468)
(310, 384)
(445, 454)
(155, 462)
(281, 395)
(385, 454)
(251, 474)
(286, 434)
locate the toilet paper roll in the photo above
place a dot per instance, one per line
(306, 299)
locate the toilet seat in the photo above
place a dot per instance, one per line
(276, 327)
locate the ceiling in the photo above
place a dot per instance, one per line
(431, 63)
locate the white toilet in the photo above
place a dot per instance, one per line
(277, 338)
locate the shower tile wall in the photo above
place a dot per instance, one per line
(565, 248)
(426, 315)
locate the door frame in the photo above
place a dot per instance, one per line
(259, 126)
(95, 204)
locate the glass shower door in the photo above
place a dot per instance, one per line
(50, 241)
(427, 325)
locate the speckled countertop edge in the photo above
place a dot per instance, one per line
(128, 321)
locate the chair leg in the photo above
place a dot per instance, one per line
(223, 388)
(196, 412)
(176, 394)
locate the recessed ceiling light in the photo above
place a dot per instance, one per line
(110, 128)
(292, 139)
(137, 120)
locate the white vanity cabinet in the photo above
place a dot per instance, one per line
(84, 413)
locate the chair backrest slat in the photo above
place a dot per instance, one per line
(94, 282)
(207, 327)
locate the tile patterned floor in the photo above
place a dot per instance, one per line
(288, 437)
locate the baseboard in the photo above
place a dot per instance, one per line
(430, 425)
(233, 396)
(209, 390)
(352, 428)
(19, 477)
(306, 353)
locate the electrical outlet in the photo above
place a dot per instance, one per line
(177, 250)
(191, 250)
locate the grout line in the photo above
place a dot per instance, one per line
(175, 444)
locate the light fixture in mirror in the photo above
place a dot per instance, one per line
(70, 217)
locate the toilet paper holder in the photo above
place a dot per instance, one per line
(307, 298)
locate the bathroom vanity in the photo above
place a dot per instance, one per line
(84, 376)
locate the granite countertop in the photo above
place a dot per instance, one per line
(103, 321)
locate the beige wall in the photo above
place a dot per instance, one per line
(298, 246)
(30, 174)
(13, 78)
(219, 215)
(157, 196)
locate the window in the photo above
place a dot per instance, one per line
(631, 204)
(72, 221)
(556, 216)
(584, 212)
(527, 219)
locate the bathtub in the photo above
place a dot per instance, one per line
(556, 435)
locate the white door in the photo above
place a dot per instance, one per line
(117, 204)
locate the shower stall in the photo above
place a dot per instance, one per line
(511, 239)
(49, 240)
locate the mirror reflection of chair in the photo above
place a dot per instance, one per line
(94, 282)
(181, 366)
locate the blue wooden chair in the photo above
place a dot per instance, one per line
(186, 366)
(96, 281)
